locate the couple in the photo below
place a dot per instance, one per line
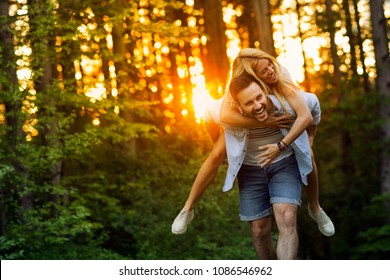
(269, 156)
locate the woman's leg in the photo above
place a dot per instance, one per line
(205, 176)
(312, 188)
(325, 224)
(207, 172)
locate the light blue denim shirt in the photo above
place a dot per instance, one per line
(237, 139)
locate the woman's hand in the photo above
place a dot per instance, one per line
(277, 120)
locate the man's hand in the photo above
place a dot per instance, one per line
(270, 152)
(275, 120)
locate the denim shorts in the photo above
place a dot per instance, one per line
(259, 188)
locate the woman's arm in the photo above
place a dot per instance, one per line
(230, 115)
(303, 120)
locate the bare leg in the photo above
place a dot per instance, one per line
(312, 179)
(207, 172)
(205, 176)
(286, 220)
(261, 238)
(325, 224)
(312, 188)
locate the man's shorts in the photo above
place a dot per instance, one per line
(259, 188)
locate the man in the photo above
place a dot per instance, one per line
(264, 189)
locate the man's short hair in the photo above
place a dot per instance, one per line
(241, 82)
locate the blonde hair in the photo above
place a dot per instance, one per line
(246, 61)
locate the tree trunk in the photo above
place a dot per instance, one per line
(333, 51)
(366, 82)
(351, 36)
(177, 107)
(44, 60)
(306, 79)
(8, 55)
(379, 33)
(123, 77)
(261, 26)
(345, 141)
(216, 64)
(10, 68)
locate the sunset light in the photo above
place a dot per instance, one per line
(92, 82)
(152, 56)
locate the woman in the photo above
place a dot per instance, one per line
(268, 71)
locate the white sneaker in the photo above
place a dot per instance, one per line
(325, 224)
(179, 225)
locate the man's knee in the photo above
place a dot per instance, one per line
(287, 217)
(261, 229)
(290, 213)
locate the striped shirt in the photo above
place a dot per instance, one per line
(259, 137)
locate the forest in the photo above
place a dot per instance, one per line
(101, 106)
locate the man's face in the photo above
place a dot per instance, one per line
(254, 102)
(265, 70)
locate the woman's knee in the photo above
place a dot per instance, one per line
(218, 155)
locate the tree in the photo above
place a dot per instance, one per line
(354, 32)
(301, 36)
(125, 73)
(216, 62)
(379, 34)
(333, 51)
(71, 189)
(360, 40)
(260, 25)
(8, 84)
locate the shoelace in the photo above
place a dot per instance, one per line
(183, 215)
(323, 218)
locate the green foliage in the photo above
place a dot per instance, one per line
(375, 239)
(65, 251)
(170, 170)
(375, 244)
(347, 150)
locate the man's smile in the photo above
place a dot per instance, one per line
(258, 111)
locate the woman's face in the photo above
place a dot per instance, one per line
(265, 70)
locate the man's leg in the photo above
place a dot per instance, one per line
(285, 192)
(262, 239)
(286, 220)
(256, 209)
